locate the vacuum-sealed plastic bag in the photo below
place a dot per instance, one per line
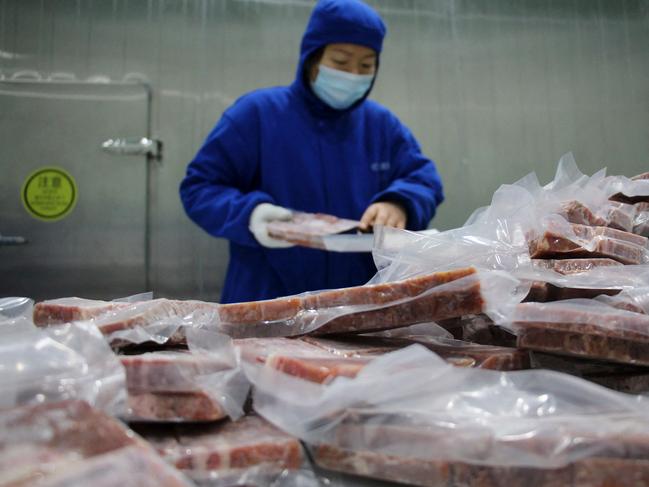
(557, 239)
(65, 310)
(413, 299)
(204, 383)
(14, 307)
(310, 229)
(69, 443)
(249, 451)
(584, 328)
(373, 307)
(560, 280)
(455, 352)
(133, 320)
(62, 362)
(410, 417)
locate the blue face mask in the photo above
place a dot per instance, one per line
(340, 89)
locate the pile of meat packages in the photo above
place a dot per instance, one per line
(512, 351)
(587, 310)
(184, 382)
(142, 386)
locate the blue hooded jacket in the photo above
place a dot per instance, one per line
(285, 146)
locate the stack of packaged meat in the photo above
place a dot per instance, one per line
(423, 376)
(69, 443)
(62, 389)
(411, 418)
(182, 389)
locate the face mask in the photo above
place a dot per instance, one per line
(340, 89)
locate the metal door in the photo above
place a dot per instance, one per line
(99, 250)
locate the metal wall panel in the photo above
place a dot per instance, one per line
(492, 89)
(99, 249)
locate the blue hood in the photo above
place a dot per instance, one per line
(339, 21)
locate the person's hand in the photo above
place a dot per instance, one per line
(259, 218)
(384, 213)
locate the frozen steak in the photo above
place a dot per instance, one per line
(257, 350)
(612, 214)
(38, 441)
(396, 448)
(594, 472)
(268, 318)
(299, 358)
(115, 316)
(65, 310)
(463, 353)
(544, 292)
(456, 352)
(168, 386)
(623, 247)
(428, 298)
(307, 229)
(227, 450)
(320, 370)
(170, 371)
(146, 313)
(576, 212)
(358, 309)
(352, 310)
(174, 406)
(331, 358)
(597, 332)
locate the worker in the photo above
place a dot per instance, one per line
(317, 145)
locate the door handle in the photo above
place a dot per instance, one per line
(7, 240)
(133, 146)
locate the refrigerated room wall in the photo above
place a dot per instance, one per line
(492, 89)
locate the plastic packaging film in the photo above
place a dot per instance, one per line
(69, 443)
(404, 402)
(71, 361)
(203, 383)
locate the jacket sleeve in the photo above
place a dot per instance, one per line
(415, 182)
(219, 190)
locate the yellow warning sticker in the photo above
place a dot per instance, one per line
(49, 193)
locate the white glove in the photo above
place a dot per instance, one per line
(259, 218)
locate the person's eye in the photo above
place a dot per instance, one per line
(339, 62)
(368, 66)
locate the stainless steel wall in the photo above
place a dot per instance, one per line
(492, 89)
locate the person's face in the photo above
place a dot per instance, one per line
(350, 58)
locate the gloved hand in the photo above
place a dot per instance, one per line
(384, 213)
(259, 218)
